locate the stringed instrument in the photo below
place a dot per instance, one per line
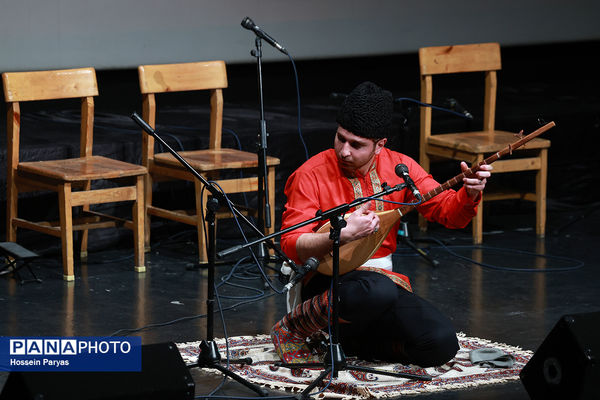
(356, 253)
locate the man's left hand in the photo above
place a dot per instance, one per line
(475, 185)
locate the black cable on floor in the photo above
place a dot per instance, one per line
(125, 332)
(449, 249)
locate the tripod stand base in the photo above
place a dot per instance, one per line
(335, 361)
(211, 358)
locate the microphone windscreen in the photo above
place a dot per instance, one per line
(401, 169)
(248, 23)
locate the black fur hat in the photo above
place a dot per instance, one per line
(367, 111)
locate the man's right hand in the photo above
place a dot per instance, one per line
(360, 223)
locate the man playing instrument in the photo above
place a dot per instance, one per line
(380, 317)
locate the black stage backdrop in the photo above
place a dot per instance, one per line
(557, 82)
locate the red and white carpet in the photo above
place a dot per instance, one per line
(457, 374)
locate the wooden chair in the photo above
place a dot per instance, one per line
(197, 76)
(70, 178)
(473, 147)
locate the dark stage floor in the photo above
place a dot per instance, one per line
(515, 296)
(167, 303)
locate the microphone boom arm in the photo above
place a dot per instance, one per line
(321, 216)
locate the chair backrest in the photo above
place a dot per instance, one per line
(49, 85)
(163, 78)
(481, 57)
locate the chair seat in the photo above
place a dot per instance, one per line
(211, 160)
(480, 142)
(82, 169)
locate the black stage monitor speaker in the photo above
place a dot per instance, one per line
(164, 375)
(566, 365)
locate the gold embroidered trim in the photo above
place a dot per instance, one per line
(376, 183)
(356, 187)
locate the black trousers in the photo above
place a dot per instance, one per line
(385, 322)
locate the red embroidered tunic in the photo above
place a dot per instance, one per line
(320, 184)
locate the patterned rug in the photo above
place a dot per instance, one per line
(458, 373)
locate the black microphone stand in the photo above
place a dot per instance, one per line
(335, 360)
(209, 356)
(264, 212)
(404, 236)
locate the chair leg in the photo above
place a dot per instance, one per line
(478, 220)
(478, 225)
(66, 230)
(422, 223)
(541, 180)
(147, 204)
(11, 213)
(425, 163)
(84, 233)
(83, 254)
(271, 183)
(138, 214)
(201, 227)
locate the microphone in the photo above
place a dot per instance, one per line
(311, 265)
(250, 25)
(456, 106)
(402, 171)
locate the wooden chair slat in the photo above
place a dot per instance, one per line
(165, 78)
(49, 85)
